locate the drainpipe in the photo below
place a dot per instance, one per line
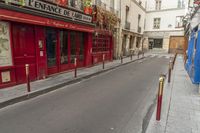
(120, 39)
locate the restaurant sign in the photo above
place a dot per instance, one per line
(56, 10)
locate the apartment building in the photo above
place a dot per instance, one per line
(164, 25)
(105, 38)
(132, 15)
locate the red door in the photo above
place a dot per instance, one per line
(24, 51)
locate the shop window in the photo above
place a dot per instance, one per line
(81, 54)
(72, 46)
(5, 49)
(51, 40)
(64, 47)
(101, 43)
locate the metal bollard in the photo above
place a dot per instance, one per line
(121, 59)
(103, 61)
(138, 55)
(170, 70)
(75, 67)
(159, 98)
(28, 78)
(173, 62)
(131, 57)
(143, 54)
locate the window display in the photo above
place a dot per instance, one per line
(5, 49)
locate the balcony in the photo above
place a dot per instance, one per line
(139, 29)
(127, 25)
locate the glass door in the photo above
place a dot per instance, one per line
(64, 50)
(80, 49)
(52, 50)
(77, 48)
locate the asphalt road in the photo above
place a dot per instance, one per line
(113, 102)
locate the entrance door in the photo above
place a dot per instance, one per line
(52, 50)
(24, 51)
(177, 44)
(77, 48)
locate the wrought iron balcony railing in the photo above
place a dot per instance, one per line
(139, 29)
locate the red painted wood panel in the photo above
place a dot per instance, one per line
(24, 51)
(41, 52)
(36, 20)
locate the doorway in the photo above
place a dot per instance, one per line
(52, 50)
(24, 51)
(63, 46)
(77, 48)
(177, 44)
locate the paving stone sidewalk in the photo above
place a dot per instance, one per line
(19, 93)
(181, 105)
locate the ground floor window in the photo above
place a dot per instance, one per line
(101, 43)
(82, 46)
(158, 43)
(72, 46)
(155, 43)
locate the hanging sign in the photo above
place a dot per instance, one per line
(5, 49)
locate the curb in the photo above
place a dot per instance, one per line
(58, 86)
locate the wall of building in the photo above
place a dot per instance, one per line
(134, 10)
(128, 37)
(168, 14)
(168, 19)
(166, 4)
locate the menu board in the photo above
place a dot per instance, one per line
(5, 49)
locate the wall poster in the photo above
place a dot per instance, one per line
(5, 76)
(5, 49)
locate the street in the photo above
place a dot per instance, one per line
(117, 101)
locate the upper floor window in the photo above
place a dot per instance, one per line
(127, 13)
(140, 2)
(139, 18)
(156, 23)
(179, 21)
(181, 4)
(76, 4)
(158, 4)
(112, 4)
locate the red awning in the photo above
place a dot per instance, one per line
(36, 20)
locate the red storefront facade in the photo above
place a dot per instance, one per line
(48, 43)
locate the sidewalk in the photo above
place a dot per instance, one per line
(19, 93)
(181, 105)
